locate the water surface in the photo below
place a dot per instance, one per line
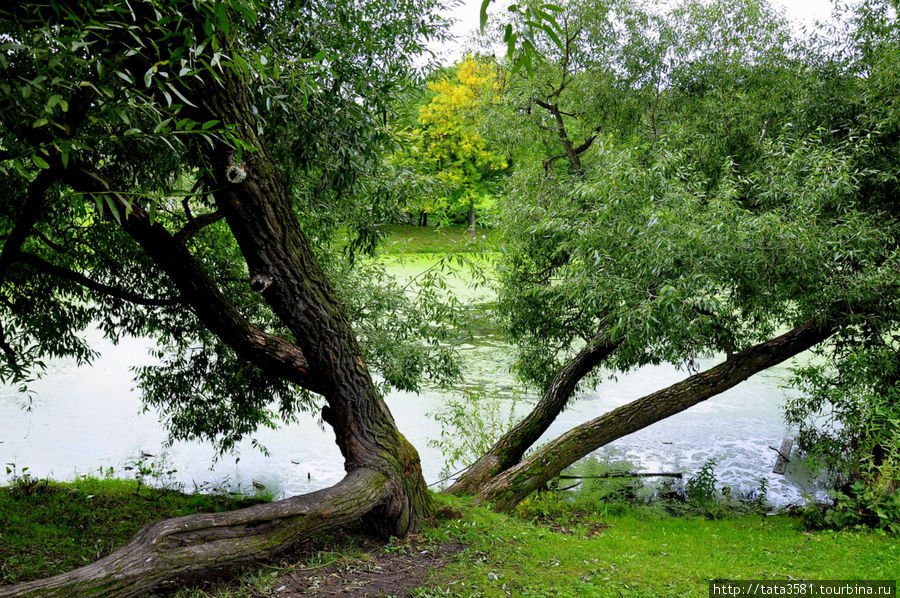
(82, 419)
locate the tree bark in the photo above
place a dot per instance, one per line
(177, 549)
(509, 488)
(507, 451)
(259, 211)
(384, 484)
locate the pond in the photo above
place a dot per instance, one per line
(83, 419)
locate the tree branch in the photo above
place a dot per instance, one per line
(34, 205)
(196, 224)
(270, 353)
(43, 265)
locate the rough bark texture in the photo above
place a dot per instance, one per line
(384, 482)
(179, 548)
(258, 209)
(507, 451)
(510, 487)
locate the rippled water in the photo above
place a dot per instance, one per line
(85, 418)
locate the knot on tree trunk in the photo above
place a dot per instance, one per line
(260, 282)
(235, 172)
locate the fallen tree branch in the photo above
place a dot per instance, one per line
(623, 474)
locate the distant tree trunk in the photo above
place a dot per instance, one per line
(471, 216)
(507, 451)
(423, 218)
(509, 488)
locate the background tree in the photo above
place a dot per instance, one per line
(446, 143)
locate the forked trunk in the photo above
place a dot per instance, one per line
(509, 488)
(507, 451)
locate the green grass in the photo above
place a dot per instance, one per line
(550, 547)
(48, 527)
(638, 552)
(428, 239)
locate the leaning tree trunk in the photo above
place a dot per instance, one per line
(259, 211)
(384, 483)
(509, 488)
(507, 451)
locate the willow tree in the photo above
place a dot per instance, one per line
(163, 163)
(745, 215)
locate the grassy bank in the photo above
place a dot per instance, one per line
(48, 527)
(548, 548)
(641, 552)
(428, 239)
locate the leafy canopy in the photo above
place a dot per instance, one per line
(111, 87)
(446, 144)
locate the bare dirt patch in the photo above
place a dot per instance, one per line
(392, 572)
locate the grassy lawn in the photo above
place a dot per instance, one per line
(428, 239)
(640, 552)
(548, 548)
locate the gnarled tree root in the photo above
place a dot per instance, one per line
(187, 546)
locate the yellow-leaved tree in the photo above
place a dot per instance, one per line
(446, 144)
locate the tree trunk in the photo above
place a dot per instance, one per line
(507, 451)
(509, 488)
(470, 218)
(283, 269)
(177, 549)
(384, 482)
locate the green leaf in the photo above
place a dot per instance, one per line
(112, 207)
(222, 17)
(39, 123)
(510, 39)
(161, 125)
(40, 162)
(178, 93)
(484, 7)
(552, 35)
